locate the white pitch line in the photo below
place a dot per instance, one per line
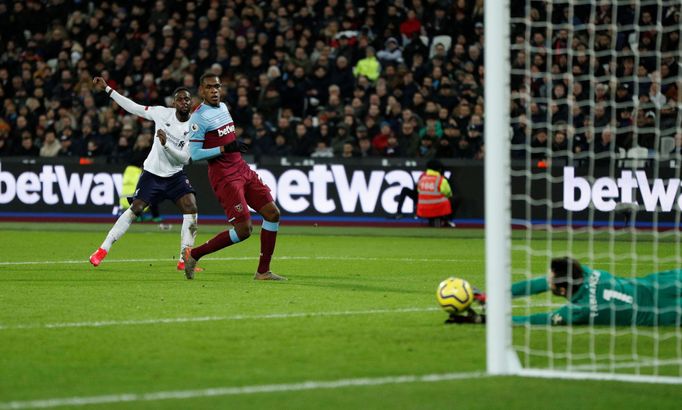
(107, 323)
(243, 258)
(173, 320)
(237, 390)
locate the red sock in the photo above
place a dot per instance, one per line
(218, 242)
(267, 247)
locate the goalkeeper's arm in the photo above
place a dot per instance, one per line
(565, 315)
(522, 288)
(530, 287)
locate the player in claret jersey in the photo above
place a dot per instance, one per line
(163, 177)
(213, 138)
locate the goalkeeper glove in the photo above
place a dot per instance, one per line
(470, 317)
(235, 146)
(479, 296)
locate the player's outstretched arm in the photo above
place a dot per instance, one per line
(530, 287)
(126, 103)
(565, 315)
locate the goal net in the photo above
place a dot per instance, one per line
(587, 157)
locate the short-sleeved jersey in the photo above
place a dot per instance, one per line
(605, 299)
(177, 134)
(214, 127)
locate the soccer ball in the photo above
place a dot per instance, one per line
(454, 295)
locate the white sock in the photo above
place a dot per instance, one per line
(119, 228)
(188, 232)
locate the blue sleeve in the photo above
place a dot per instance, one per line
(197, 131)
(198, 153)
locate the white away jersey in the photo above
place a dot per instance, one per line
(159, 162)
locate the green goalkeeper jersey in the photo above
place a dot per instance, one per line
(604, 299)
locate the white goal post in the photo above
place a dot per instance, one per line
(638, 236)
(500, 357)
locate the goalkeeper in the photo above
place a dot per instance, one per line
(598, 298)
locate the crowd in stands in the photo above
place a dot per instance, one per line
(604, 79)
(333, 78)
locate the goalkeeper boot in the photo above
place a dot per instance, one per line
(268, 276)
(98, 256)
(190, 263)
(181, 266)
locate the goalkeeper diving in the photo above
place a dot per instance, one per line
(596, 297)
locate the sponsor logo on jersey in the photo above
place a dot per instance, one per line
(226, 130)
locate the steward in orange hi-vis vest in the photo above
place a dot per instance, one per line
(434, 191)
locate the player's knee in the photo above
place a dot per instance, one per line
(272, 214)
(244, 232)
(188, 204)
(137, 209)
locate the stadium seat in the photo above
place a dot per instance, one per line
(621, 153)
(638, 157)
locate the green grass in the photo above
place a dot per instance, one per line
(359, 304)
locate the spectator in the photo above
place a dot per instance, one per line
(298, 54)
(369, 66)
(51, 145)
(391, 54)
(282, 147)
(26, 147)
(342, 75)
(302, 145)
(410, 26)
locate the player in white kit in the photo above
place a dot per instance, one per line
(163, 176)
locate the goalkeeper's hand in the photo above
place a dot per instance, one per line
(470, 316)
(235, 146)
(479, 295)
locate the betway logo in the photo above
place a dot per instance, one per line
(322, 188)
(605, 193)
(226, 130)
(53, 186)
(296, 191)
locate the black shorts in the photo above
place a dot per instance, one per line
(153, 189)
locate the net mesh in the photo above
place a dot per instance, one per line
(596, 145)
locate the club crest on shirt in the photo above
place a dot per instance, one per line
(238, 208)
(195, 127)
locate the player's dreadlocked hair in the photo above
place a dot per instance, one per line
(568, 274)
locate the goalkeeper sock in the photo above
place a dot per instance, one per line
(268, 237)
(119, 228)
(188, 232)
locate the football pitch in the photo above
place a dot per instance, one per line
(356, 325)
